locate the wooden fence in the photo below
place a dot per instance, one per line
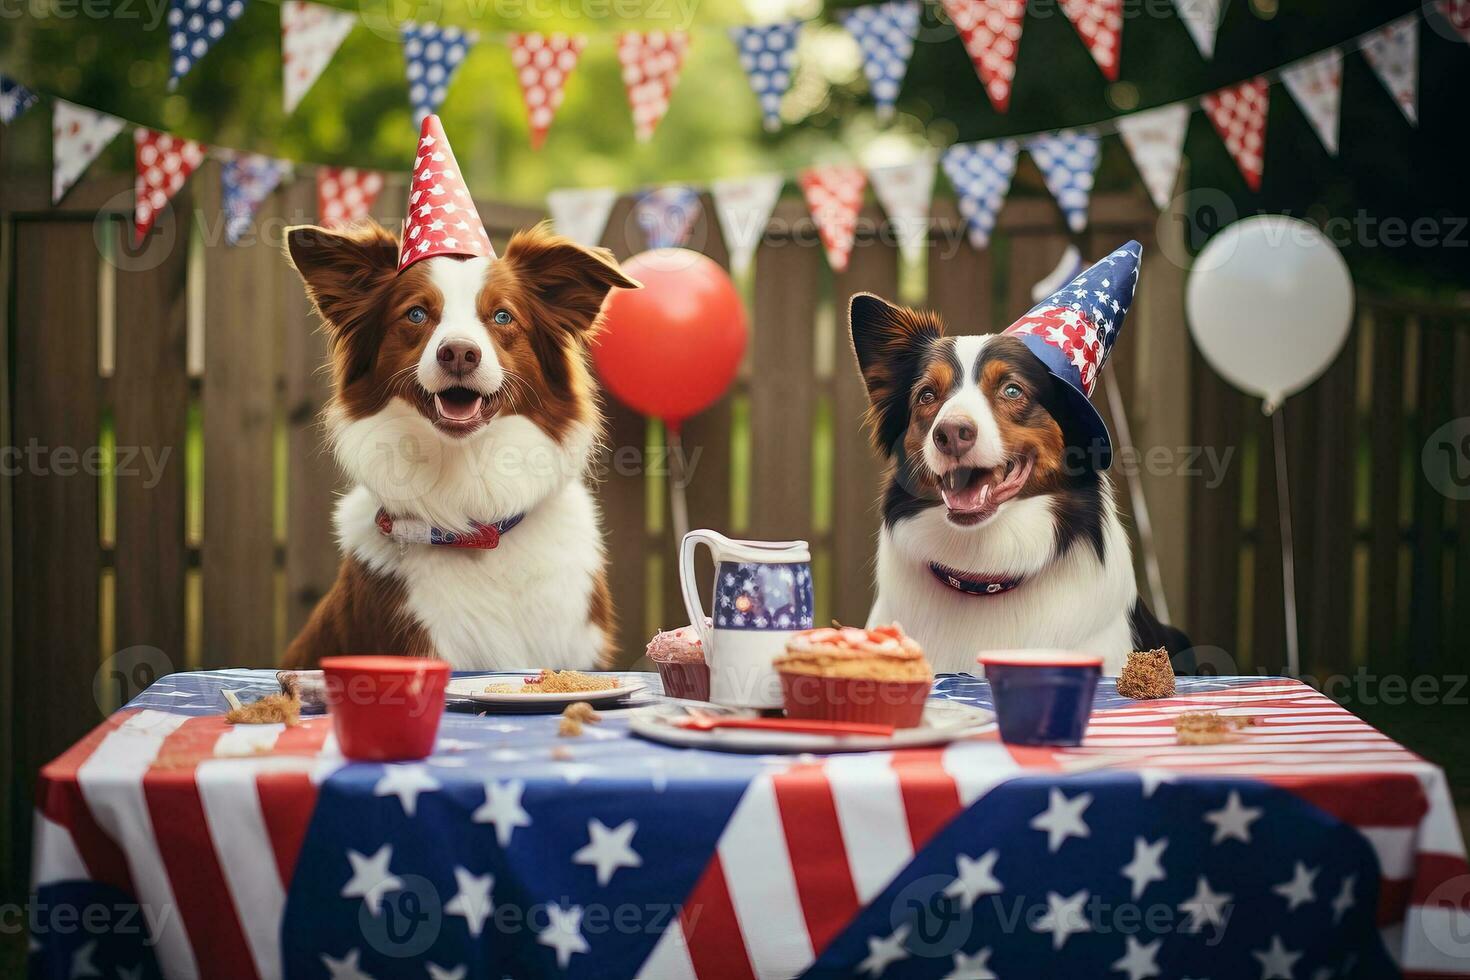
(203, 359)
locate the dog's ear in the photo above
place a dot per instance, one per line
(569, 280)
(343, 270)
(890, 343)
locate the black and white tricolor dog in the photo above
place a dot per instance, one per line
(1000, 530)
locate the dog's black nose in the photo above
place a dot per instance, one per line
(459, 356)
(955, 436)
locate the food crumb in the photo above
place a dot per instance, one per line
(1147, 675)
(271, 709)
(574, 716)
(1207, 727)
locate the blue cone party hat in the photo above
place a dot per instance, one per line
(1073, 331)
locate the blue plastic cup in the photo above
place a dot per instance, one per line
(1042, 697)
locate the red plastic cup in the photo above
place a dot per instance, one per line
(385, 708)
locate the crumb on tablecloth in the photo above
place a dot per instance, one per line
(272, 709)
(1207, 727)
(574, 716)
(1147, 675)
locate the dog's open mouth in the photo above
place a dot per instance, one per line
(973, 494)
(459, 407)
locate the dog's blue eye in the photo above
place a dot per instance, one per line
(1012, 391)
(418, 315)
(502, 317)
(926, 397)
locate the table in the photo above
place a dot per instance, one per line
(1313, 847)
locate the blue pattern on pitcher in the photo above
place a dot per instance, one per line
(763, 596)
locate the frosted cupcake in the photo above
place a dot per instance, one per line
(847, 674)
(679, 656)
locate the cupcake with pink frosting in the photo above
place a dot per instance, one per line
(679, 656)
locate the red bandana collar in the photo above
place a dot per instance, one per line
(976, 585)
(409, 530)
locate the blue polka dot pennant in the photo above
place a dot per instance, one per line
(245, 182)
(980, 174)
(431, 55)
(767, 53)
(193, 27)
(885, 33)
(15, 99)
(1067, 161)
(667, 215)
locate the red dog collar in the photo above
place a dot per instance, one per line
(976, 585)
(411, 531)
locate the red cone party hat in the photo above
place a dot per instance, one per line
(442, 219)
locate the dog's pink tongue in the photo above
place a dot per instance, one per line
(457, 409)
(968, 500)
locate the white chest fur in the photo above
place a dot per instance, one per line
(1073, 602)
(522, 603)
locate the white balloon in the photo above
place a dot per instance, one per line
(1269, 302)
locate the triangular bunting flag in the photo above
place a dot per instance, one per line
(77, 136)
(1238, 114)
(980, 174)
(885, 33)
(1068, 161)
(431, 55)
(744, 206)
(245, 182)
(1100, 25)
(1155, 139)
(834, 196)
(193, 27)
(441, 218)
(651, 65)
(310, 34)
(1202, 20)
(991, 30)
(905, 191)
(580, 213)
(1457, 12)
(1393, 51)
(163, 164)
(345, 194)
(768, 53)
(1316, 84)
(543, 63)
(15, 99)
(667, 215)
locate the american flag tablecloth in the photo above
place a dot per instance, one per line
(1312, 847)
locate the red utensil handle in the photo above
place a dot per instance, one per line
(790, 725)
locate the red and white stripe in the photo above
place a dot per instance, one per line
(178, 811)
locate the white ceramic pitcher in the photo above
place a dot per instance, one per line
(762, 594)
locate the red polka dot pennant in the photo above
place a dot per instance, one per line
(543, 63)
(1100, 25)
(1239, 116)
(164, 163)
(651, 64)
(345, 194)
(991, 30)
(834, 195)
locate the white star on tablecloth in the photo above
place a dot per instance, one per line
(81, 961)
(371, 878)
(975, 967)
(1205, 905)
(1298, 891)
(609, 850)
(346, 968)
(406, 782)
(1276, 961)
(1141, 960)
(1063, 818)
(1063, 917)
(563, 933)
(884, 952)
(974, 877)
(502, 807)
(437, 972)
(1146, 865)
(471, 899)
(1344, 899)
(1233, 820)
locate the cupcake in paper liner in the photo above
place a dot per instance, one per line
(843, 673)
(679, 656)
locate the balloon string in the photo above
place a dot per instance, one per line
(1136, 496)
(678, 502)
(1288, 550)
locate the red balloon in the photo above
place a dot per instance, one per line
(672, 348)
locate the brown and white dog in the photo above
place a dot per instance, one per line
(994, 533)
(463, 410)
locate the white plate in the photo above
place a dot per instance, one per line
(943, 722)
(473, 689)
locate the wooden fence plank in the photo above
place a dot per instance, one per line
(150, 389)
(12, 876)
(782, 394)
(857, 470)
(57, 559)
(961, 279)
(1427, 652)
(312, 477)
(1215, 517)
(239, 399)
(1386, 435)
(1459, 626)
(1324, 508)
